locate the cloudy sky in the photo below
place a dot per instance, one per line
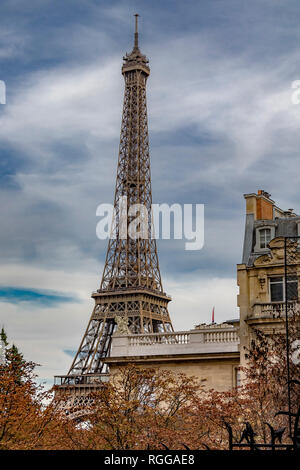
(221, 124)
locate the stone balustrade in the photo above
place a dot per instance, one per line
(159, 338)
(183, 337)
(272, 310)
(205, 340)
(226, 336)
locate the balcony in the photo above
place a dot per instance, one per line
(273, 310)
(202, 341)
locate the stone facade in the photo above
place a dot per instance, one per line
(210, 352)
(260, 276)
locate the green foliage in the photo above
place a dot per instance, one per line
(3, 337)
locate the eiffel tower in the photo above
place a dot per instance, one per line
(131, 286)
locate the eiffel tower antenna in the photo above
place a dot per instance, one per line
(131, 288)
(136, 34)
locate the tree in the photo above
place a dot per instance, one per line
(28, 420)
(267, 370)
(148, 408)
(3, 337)
(263, 394)
(140, 408)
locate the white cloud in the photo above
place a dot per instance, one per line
(240, 101)
(61, 104)
(224, 95)
(42, 333)
(194, 299)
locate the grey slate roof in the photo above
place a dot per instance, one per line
(284, 227)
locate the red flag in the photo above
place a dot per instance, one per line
(213, 315)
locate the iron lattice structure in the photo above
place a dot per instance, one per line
(131, 286)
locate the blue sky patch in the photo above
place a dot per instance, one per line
(40, 297)
(70, 352)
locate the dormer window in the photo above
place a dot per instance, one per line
(264, 237)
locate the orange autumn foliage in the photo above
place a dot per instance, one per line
(148, 408)
(29, 418)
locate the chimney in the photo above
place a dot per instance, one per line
(260, 205)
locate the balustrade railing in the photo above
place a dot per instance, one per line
(159, 338)
(85, 379)
(273, 310)
(221, 337)
(184, 337)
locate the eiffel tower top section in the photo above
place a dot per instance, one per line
(132, 261)
(136, 60)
